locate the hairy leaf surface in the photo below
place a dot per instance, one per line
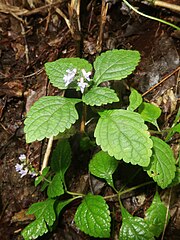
(55, 188)
(57, 69)
(115, 65)
(61, 158)
(93, 216)
(124, 135)
(103, 166)
(45, 216)
(134, 228)
(162, 166)
(49, 116)
(135, 100)
(150, 113)
(98, 96)
(156, 216)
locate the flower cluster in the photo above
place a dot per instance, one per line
(70, 77)
(23, 169)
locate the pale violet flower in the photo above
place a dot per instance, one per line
(82, 85)
(69, 77)
(86, 74)
(33, 174)
(22, 157)
(23, 172)
(18, 167)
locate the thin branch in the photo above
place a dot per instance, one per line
(47, 154)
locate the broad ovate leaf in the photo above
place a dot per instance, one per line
(57, 69)
(156, 216)
(55, 188)
(61, 158)
(49, 116)
(98, 96)
(115, 65)
(45, 218)
(93, 216)
(162, 166)
(150, 113)
(103, 166)
(134, 228)
(135, 100)
(123, 134)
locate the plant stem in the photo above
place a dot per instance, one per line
(83, 119)
(76, 194)
(150, 17)
(134, 188)
(47, 154)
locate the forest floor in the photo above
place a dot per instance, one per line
(33, 33)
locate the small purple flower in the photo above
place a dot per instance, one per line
(82, 84)
(18, 167)
(86, 74)
(33, 174)
(69, 77)
(23, 172)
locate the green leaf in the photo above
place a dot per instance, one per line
(162, 166)
(49, 116)
(93, 216)
(134, 228)
(135, 100)
(62, 204)
(150, 113)
(61, 158)
(176, 179)
(115, 65)
(40, 178)
(176, 128)
(35, 229)
(98, 96)
(55, 188)
(156, 216)
(57, 69)
(103, 166)
(124, 135)
(44, 210)
(45, 216)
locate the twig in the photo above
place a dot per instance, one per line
(25, 43)
(150, 17)
(167, 5)
(163, 80)
(47, 154)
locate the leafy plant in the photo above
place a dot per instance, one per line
(122, 135)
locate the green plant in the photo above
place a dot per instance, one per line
(121, 134)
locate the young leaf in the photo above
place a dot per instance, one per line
(176, 128)
(115, 65)
(150, 113)
(103, 166)
(135, 100)
(156, 216)
(124, 135)
(55, 188)
(162, 166)
(93, 217)
(98, 96)
(57, 69)
(49, 116)
(61, 158)
(134, 228)
(40, 178)
(45, 217)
